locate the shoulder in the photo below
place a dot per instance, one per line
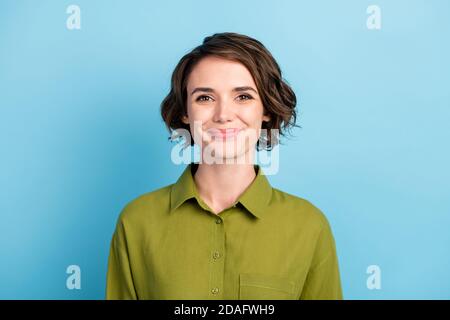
(299, 209)
(146, 206)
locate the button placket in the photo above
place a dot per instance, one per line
(217, 259)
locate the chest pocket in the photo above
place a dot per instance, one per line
(260, 287)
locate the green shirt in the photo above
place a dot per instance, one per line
(168, 244)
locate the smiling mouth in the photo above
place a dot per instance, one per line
(227, 133)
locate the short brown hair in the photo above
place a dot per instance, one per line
(279, 100)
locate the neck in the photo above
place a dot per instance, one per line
(220, 185)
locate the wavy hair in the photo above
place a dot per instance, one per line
(278, 98)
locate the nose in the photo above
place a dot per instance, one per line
(223, 112)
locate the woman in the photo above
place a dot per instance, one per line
(222, 231)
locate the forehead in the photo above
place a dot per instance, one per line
(219, 73)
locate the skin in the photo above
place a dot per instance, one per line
(231, 101)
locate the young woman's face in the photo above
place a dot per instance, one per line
(224, 109)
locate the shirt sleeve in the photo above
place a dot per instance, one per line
(119, 280)
(323, 280)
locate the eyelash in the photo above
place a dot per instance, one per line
(200, 98)
(248, 97)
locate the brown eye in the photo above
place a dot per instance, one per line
(245, 97)
(203, 98)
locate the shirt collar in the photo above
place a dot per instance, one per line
(255, 198)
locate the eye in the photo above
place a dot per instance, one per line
(245, 97)
(203, 98)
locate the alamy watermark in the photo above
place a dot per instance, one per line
(219, 149)
(374, 279)
(73, 21)
(373, 21)
(73, 281)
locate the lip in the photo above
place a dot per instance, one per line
(224, 133)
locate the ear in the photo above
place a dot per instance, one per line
(266, 118)
(185, 119)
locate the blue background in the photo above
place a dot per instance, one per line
(81, 134)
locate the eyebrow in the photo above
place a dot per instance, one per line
(237, 89)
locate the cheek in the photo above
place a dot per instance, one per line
(198, 117)
(252, 116)
(198, 113)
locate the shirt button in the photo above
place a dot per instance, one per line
(218, 221)
(216, 255)
(215, 290)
